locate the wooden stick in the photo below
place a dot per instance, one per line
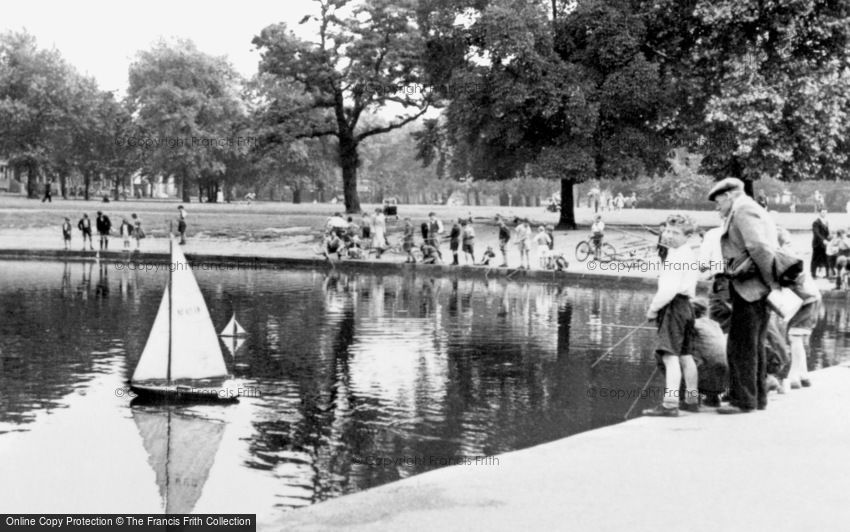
(615, 346)
(645, 386)
(623, 326)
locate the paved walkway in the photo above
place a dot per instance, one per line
(785, 468)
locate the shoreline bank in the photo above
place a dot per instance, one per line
(207, 261)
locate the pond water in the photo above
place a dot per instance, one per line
(360, 380)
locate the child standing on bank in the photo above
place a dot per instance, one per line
(66, 233)
(408, 243)
(504, 237)
(126, 231)
(468, 239)
(672, 311)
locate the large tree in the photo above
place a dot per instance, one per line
(367, 57)
(762, 87)
(570, 98)
(35, 105)
(185, 103)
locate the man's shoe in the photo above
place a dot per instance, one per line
(711, 400)
(771, 383)
(805, 383)
(662, 411)
(730, 409)
(691, 407)
(795, 385)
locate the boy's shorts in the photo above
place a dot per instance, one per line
(804, 320)
(675, 328)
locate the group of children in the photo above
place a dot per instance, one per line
(128, 230)
(691, 334)
(103, 224)
(345, 238)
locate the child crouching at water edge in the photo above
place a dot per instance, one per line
(672, 311)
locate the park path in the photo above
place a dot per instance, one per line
(784, 468)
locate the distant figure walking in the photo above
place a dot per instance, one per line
(104, 226)
(818, 198)
(181, 224)
(84, 225)
(820, 237)
(66, 233)
(48, 192)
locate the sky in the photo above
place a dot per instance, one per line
(101, 38)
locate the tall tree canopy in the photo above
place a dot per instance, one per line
(366, 57)
(763, 85)
(35, 104)
(185, 103)
(572, 98)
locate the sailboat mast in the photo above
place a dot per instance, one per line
(170, 275)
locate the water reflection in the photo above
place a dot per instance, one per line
(181, 450)
(363, 379)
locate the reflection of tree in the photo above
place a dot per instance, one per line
(52, 341)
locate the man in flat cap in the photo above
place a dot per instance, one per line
(749, 245)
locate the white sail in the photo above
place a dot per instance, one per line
(195, 351)
(233, 328)
(154, 361)
(181, 450)
(233, 344)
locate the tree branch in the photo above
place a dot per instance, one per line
(390, 127)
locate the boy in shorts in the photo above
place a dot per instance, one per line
(672, 311)
(66, 232)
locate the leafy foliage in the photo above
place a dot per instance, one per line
(185, 103)
(364, 54)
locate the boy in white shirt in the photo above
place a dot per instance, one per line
(671, 309)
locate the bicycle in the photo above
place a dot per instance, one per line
(604, 252)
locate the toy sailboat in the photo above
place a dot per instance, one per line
(233, 344)
(233, 328)
(182, 359)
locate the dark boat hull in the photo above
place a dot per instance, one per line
(182, 393)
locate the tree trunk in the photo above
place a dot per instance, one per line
(348, 161)
(63, 184)
(86, 184)
(117, 189)
(296, 195)
(32, 185)
(568, 214)
(184, 188)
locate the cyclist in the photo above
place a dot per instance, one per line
(597, 231)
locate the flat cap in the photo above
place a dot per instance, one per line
(725, 185)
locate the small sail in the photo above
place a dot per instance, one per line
(233, 344)
(181, 450)
(195, 351)
(233, 328)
